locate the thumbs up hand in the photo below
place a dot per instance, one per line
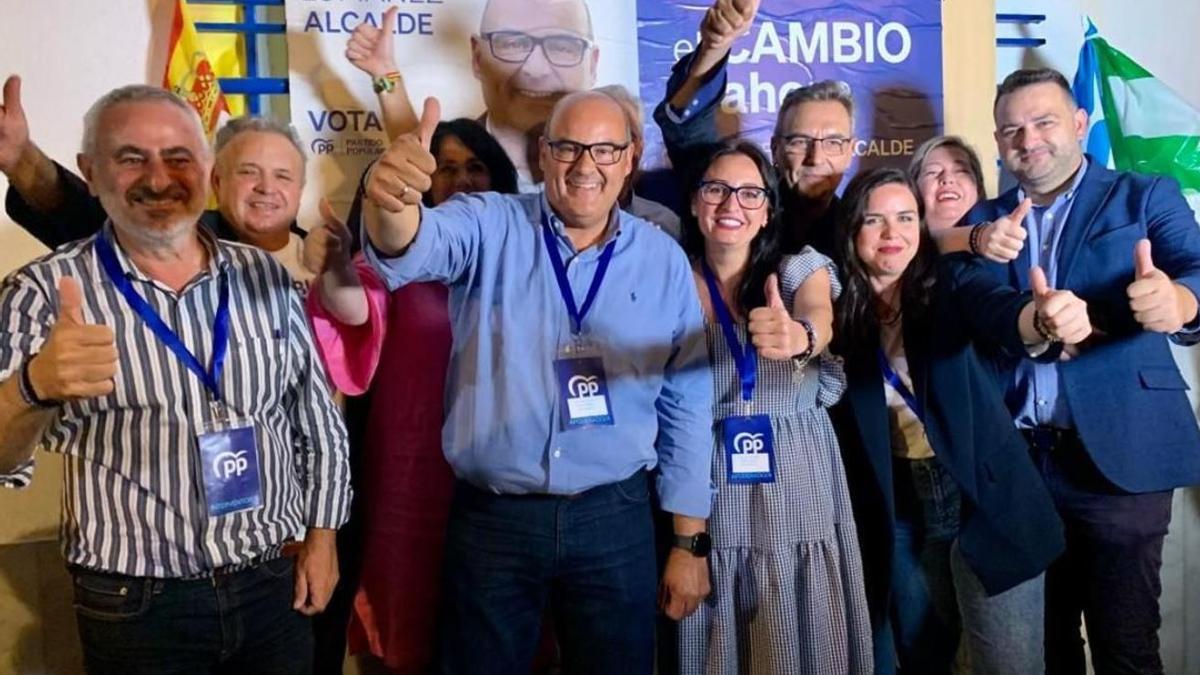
(327, 245)
(1157, 302)
(14, 128)
(1003, 239)
(405, 171)
(772, 330)
(78, 360)
(1059, 316)
(371, 49)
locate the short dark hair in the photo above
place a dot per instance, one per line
(1030, 76)
(823, 90)
(481, 144)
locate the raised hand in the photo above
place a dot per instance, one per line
(14, 128)
(1061, 314)
(1153, 298)
(1003, 238)
(78, 360)
(726, 21)
(772, 330)
(405, 171)
(327, 245)
(371, 49)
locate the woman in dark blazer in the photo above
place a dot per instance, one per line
(955, 523)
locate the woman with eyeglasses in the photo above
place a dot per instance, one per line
(787, 591)
(955, 522)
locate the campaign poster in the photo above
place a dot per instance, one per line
(888, 51)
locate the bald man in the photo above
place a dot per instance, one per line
(578, 365)
(526, 57)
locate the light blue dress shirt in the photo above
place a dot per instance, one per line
(1038, 384)
(502, 428)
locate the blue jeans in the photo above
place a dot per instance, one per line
(936, 598)
(236, 623)
(589, 557)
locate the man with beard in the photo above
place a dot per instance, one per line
(258, 178)
(1088, 367)
(198, 444)
(578, 364)
(814, 132)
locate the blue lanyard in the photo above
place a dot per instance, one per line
(894, 380)
(746, 359)
(210, 377)
(564, 284)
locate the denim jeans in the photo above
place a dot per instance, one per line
(588, 557)
(936, 598)
(236, 623)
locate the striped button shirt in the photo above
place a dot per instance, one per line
(133, 499)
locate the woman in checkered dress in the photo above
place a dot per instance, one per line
(787, 588)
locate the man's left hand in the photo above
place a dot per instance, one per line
(1159, 304)
(684, 584)
(316, 571)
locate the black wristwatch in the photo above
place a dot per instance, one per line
(699, 544)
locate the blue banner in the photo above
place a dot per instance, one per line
(888, 51)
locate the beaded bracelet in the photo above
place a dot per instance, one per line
(1039, 325)
(976, 235)
(801, 359)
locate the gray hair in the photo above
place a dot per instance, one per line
(248, 123)
(629, 103)
(132, 93)
(823, 90)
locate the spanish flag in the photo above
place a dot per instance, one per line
(190, 73)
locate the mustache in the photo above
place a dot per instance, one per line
(146, 193)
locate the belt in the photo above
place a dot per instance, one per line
(1050, 439)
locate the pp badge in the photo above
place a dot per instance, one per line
(232, 481)
(749, 449)
(583, 392)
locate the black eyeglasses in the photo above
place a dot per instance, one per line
(715, 192)
(801, 143)
(513, 46)
(602, 153)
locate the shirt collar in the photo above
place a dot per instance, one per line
(1067, 196)
(611, 232)
(218, 258)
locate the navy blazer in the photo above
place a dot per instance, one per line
(1125, 393)
(1010, 529)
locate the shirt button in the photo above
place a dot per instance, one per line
(1041, 401)
(558, 452)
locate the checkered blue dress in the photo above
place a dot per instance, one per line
(787, 584)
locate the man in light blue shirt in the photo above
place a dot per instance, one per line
(578, 364)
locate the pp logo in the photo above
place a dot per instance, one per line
(230, 464)
(581, 386)
(748, 444)
(322, 146)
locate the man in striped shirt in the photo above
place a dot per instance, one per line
(175, 373)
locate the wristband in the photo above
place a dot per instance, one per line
(801, 359)
(28, 394)
(976, 235)
(1042, 330)
(386, 82)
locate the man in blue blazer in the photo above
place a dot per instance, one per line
(1088, 369)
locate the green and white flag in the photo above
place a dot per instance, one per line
(1136, 122)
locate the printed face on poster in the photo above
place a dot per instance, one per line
(489, 60)
(474, 62)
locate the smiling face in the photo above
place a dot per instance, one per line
(1038, 132)
(729, 224)
(149, 168)
(458, 170)
(583, 192)
(891, 232)
(814, 172)
(258, 180)
(947, 186)
(521, 91)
